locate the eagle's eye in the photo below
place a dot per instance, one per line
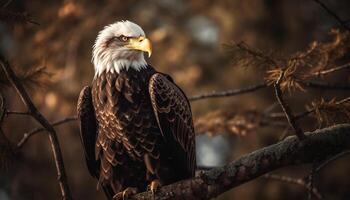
(123, 38)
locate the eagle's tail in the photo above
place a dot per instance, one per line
(108, 192)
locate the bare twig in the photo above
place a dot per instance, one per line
(253, 88)
(291, 151)
(286, 109)
(227, 93)
(28, 135)
(311, 179)
(334, 69)
(314, 191)
(324, 86)
(7, 3)
(9, 112)
(61, 173)
(333, 14)
(333, 158)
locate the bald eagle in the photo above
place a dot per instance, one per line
(135, 123)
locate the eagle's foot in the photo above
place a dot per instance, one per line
(123, 195)
(153, 187)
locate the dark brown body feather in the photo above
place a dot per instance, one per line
(136, 126)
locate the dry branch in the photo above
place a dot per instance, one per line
(253, 88)
(314, 191)
(10, 112)
(333, 14)
(227, 93)
(330, 160)
(324, 86)
(33, 132)
(17, 85)
(286, 109)
(320, 144)
(332, 70)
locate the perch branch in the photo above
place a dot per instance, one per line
(15, 82)
(320, 144)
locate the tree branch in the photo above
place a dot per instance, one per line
(319, 144)
(333, 158)
(303, 114)
(332, 70)
(333, 14)
(227, 93)
(314, 191)
(324, 86)
(28, 135)
(9, 112)
(286, 109)
(61, 173)
(253, 88)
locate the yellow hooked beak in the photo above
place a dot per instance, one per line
(140, 43)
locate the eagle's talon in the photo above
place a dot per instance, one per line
(153, 187)
(123, 195)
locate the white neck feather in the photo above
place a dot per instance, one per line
(108, 63)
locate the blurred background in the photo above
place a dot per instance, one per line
(189, 38)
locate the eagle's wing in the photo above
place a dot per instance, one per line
(88, 130)
(173, 114)
(88, 133)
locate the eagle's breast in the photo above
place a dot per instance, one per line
(126, 125)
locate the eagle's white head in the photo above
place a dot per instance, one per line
(120, 45)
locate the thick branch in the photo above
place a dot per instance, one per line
(320, 144)
(61, 173)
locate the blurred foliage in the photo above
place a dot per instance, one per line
(331, 112)
(32, 77)
(219, 122)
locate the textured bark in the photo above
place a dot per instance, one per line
(318, 145)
